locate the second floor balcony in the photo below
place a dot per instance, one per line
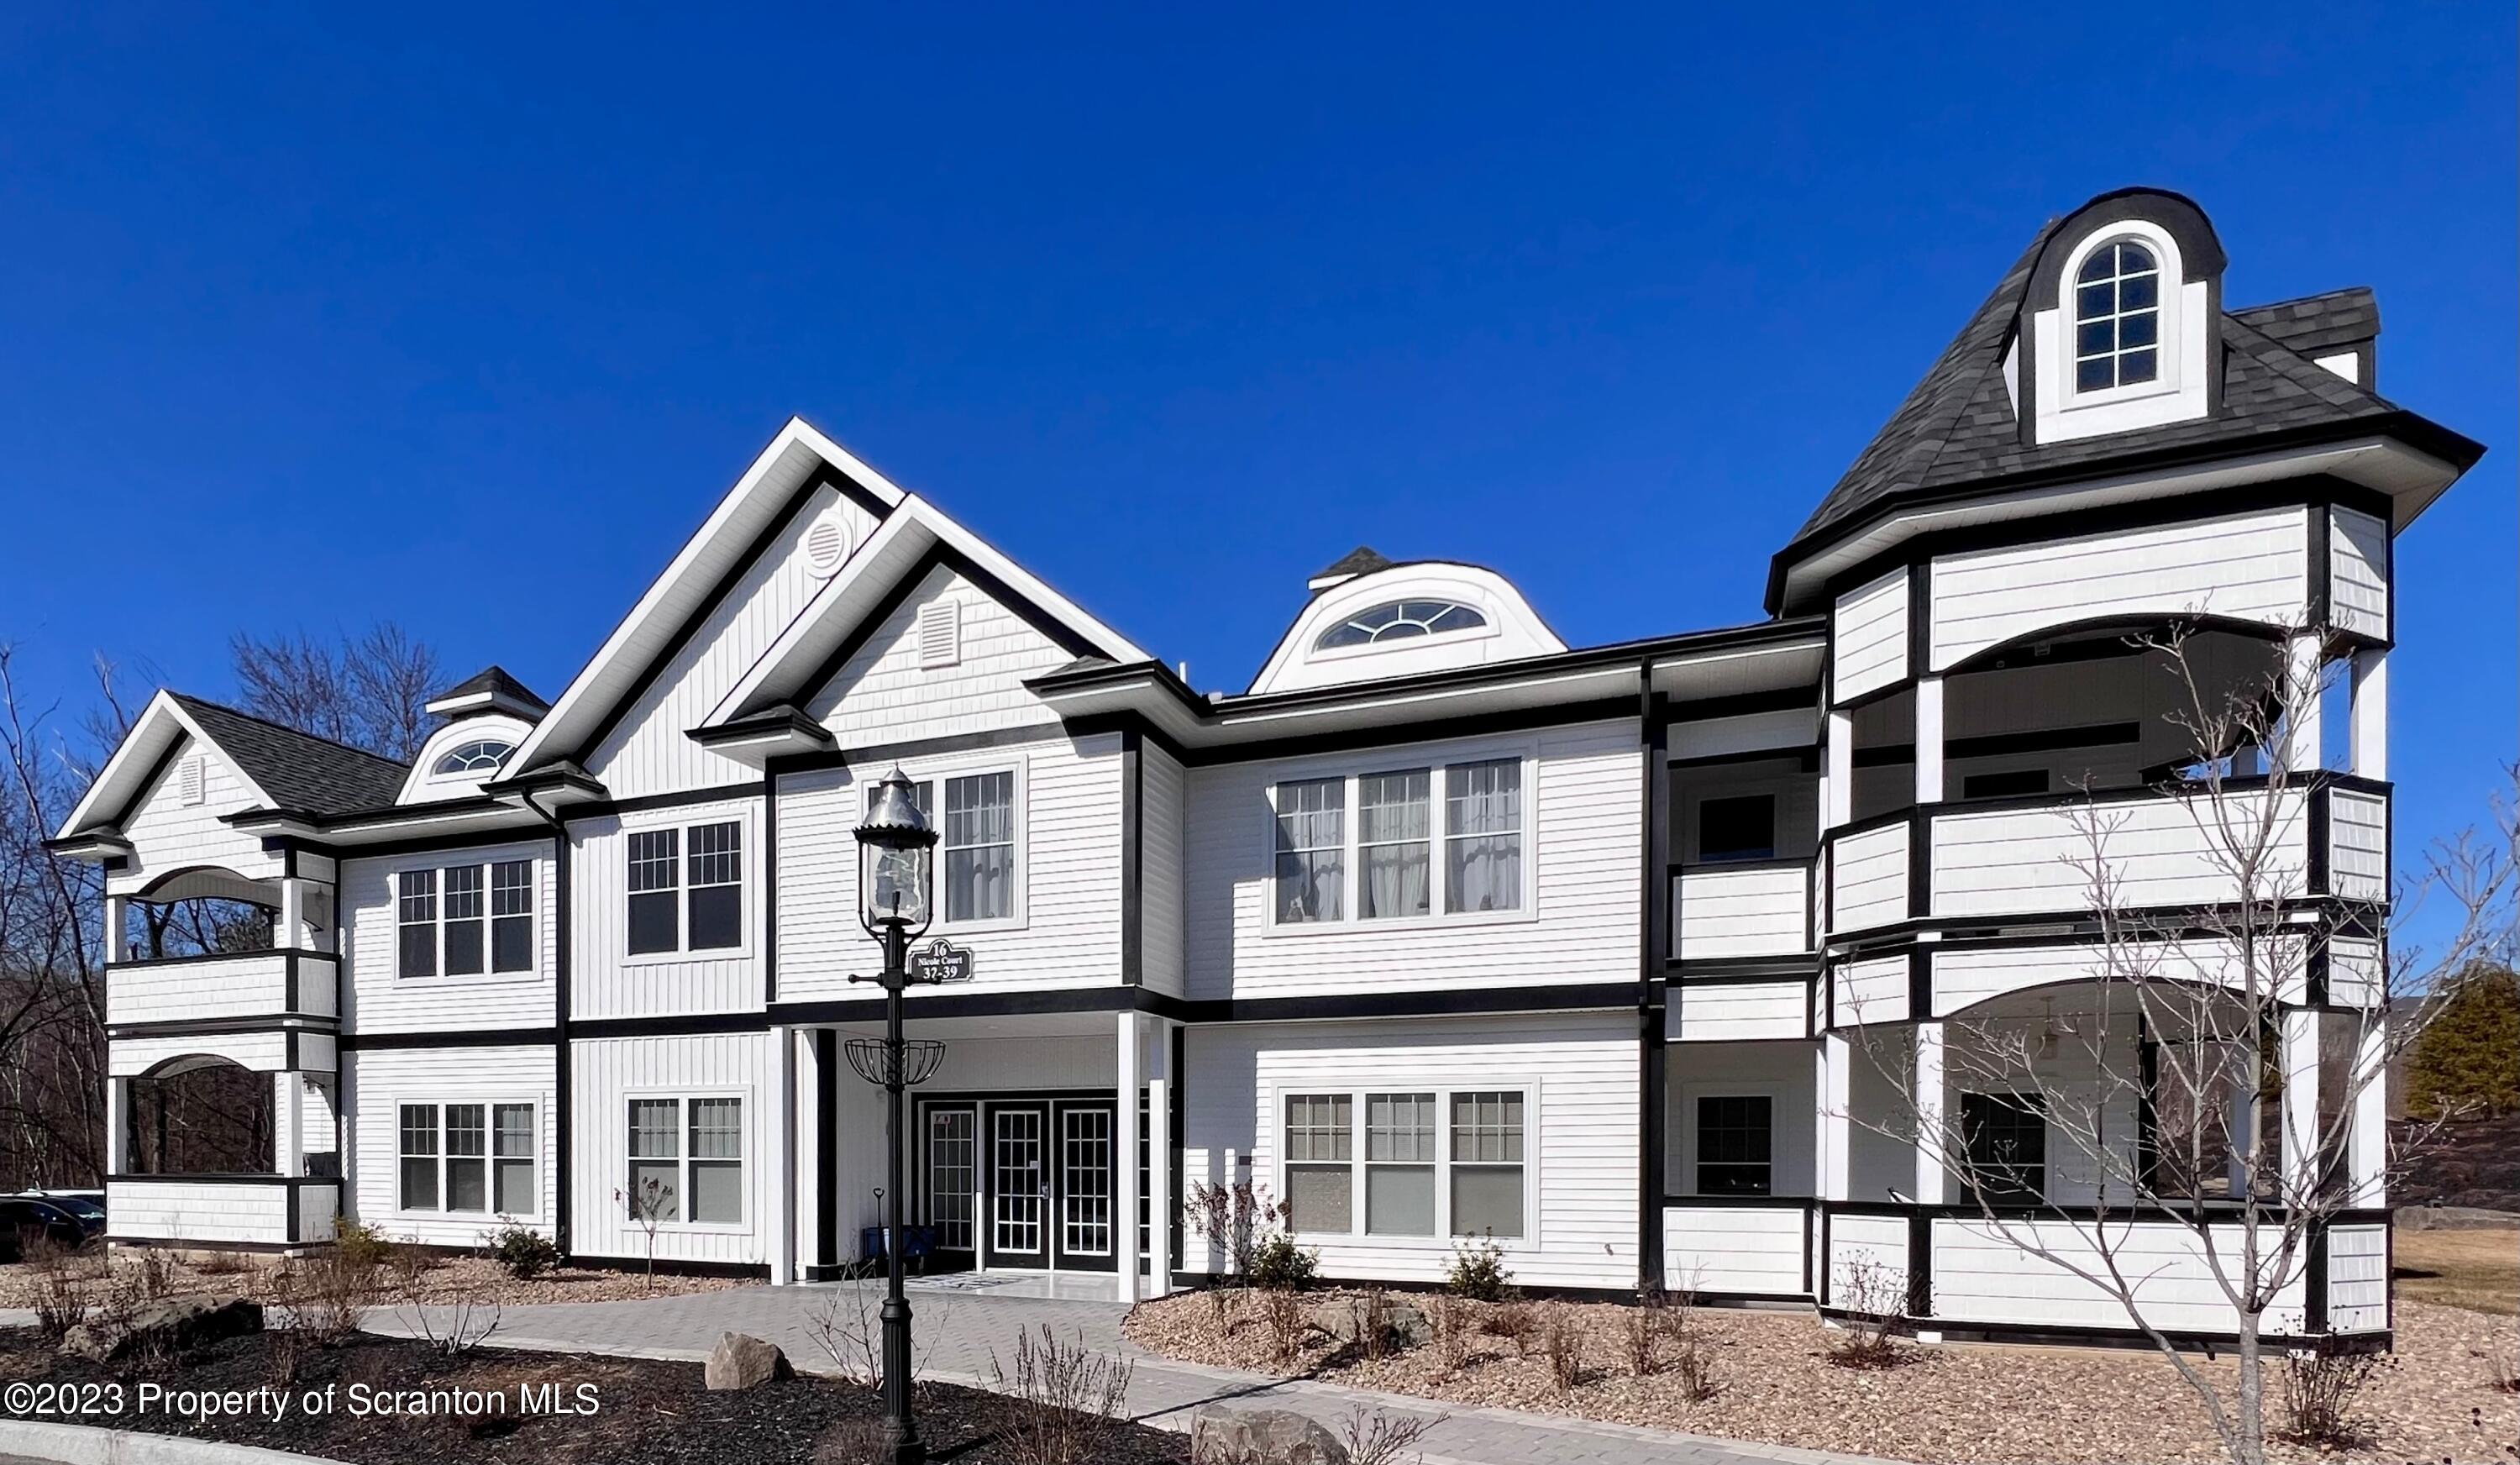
(232, 986)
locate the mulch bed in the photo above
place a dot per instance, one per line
(647, 1412)
(2434, 1401)
(442, 1279)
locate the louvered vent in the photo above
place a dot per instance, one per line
(940, 634)
(826, 544)
(190, 777)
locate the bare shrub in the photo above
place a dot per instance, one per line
(61, 1292)
(155, 1274)
(1375, 1438)
(1220, 1310)
(284, 1352)
(1370, 1322)
(856, 1441)
(1236, 1217)
(1063, 1400)
(221, 1264)
(2320, 1387)
(651, 1204)
(846, 1326)
(1693, 1363)
(1562, 1338)
(1870, 1295)
(1282, 1312)
(1517, 1323)
(1640, 1338)
(1450, 1318)
(326, 1295)
(455, 1326)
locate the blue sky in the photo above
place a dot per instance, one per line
(314, 318)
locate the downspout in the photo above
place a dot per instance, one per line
(563, 1115)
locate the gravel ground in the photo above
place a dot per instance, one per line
(445, 1281)
(2435, 1400)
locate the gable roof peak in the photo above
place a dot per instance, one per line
(1363, 559)
(489, 690)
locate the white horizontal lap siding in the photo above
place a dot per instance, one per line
(1874, 990)
(1868, 1263)
(1580, 836)
(2358, 561)
(1963, 979)
(2160, 851)
(1738, 1011)
(604, 979)
(1162, 788)
(2357, 972)
(382, 1000)
(1744, 913)
(604, 1074)
(1868, 629)
(250, 985)
(2247, 566)
(1068, 853)
(167, 834)
(1791, 729)
(185, 1210)
(883, 694)
(317, 1208)
(1581, 1130)
(1869, 878)
(1983, 1274)
(2358, 1279)
(647, 752)
(377, 1082)
(1756, 1249)
(262, 1053)
(2358, 833)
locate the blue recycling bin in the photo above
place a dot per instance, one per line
(916, 1242)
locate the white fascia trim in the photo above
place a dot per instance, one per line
(128, 763)
(586, 690)
(800, 633)
(1025, 582)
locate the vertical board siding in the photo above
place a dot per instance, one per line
(168, 836)
(2358, 1279)
(1981, 1274)
(2246, 567)
(1869, 627)
(648, 752)
(191, 1211)
(1743, 912)
(883, 695)
(2357, 568)
(1581, 1130)
(2161, 851)
(382, 1001)
(1869, 878)
(1874, 991)
(604, 1074)
(1159, 855)
(377, 1082)
(1582, 831)
(1738, 1011)
(2358, 826)
(1067, 849)
(1867, 1264)
(1753, 1250)
(604, 979)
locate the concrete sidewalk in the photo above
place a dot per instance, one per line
(961, 1334)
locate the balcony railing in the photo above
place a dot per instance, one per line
(250, 1210)
(2326, 835)
(233, 986)
(1725, 912)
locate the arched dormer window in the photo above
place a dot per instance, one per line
(1400, 620)
(2117, 318)
(479, 756)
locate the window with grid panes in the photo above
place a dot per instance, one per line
(1321, 1154)
(978, 841)
(1312, 849)
(716, 886)
(1734, 1144)
(416, 915)
(1394, 854)
(419, 1153)
(1483, 836)
(511, 915)
(655, 890)
(464, 917)
(1487, 1162)
(1400, 1164)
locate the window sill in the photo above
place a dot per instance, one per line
(693, 1228)
(1440, 1245)
(1359, 925)
(976, 928)
(467, 1217)
(742, 952)
(473, 979)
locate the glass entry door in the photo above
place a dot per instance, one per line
(1019, 1216)
(949, 1141)
(1087, 1214)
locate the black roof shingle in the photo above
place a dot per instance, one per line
(301, 771)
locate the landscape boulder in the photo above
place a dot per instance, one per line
(1339, 1318)
(1280, 1437)
(163, 1328)
(743, 1362)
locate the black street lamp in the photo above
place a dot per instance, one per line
(895, 870)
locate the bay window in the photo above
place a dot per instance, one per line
(1365, 848)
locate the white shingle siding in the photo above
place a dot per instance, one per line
(377, 1082)
(1868, 1263)
(1581, 1127)
(249, 984)
(168, 833)
(2247, 566)
(2357, 972)
(1580, 837)
(1868, 628)
(1738, 1011)
(1874, 991)
(2161, 851)
(380, 1000)
(265, 1052)
(2357, 559)
(1869, 878)
(194, 1211)
(1734, 1249)
(888, 693)
(2358, 1279)
(1764, 912)
(2357, 830)
(604, 1074)
(1965, 978)
(1982, 1272)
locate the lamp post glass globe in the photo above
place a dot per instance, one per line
(896, 854)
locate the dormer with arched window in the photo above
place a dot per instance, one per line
(1371, 619)
(2120, 318)
(487, 716)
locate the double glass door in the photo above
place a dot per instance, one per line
(1020, 1182)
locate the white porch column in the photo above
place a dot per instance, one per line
(2300, 1039)
(2298, 745)
(808, 1109)
(2371, 722)
(117, 1108)
(782, 1149)
(1836, 1157)
(1837, 781)
(2366, 1152)
(1929, 739)
(288, 1122)
(1160, 1201)
(1930, 1158)
(288, 928)
(1129, 1045)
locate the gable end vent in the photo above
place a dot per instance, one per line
(940, 634)
(190, 778)
(826, 544)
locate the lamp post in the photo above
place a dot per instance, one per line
(895, 875)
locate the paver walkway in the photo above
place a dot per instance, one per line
(960, 1334)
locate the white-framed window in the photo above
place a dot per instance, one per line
(1399, 621)
(483, 755)
(474, 1157)
(1400, 1162)
(686, 1159)
(685, 886)
(2124, 342)
(2117, 318)
(979, 863)
(465, 920)
(1363, 849)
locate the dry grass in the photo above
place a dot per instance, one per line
(2478, 1269)
(1766, 1377)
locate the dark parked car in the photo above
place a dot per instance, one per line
(24, 1219)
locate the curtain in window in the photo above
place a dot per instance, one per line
(1312, 840)
(1392, 828)
(979, 842)
(1483, 828)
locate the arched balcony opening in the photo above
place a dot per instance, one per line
(200, 1115)
(204, 911)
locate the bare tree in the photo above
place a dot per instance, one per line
(2202, 1097)
(370, 691)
